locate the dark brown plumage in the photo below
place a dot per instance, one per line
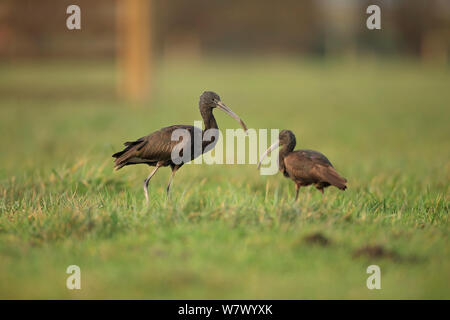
(304, 167)
(156, 148)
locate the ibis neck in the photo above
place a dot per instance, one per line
(286, 149)
(208, 119)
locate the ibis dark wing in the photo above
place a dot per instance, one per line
(313, 166)
(315, 157)
(301, 162)
(330, 175)
(159, 144)
(154, 148)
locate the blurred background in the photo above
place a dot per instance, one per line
(138, 34)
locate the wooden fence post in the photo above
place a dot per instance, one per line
(134, 49)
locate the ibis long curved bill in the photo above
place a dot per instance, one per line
(271, 148)
(230, 112)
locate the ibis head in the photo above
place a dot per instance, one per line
(210, 100)
(286, 139)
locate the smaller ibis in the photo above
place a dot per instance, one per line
(304, 167)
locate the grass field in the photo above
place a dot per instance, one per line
(226, 232)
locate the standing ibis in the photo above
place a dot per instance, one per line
(157, 148)
(304, 167)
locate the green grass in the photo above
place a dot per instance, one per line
(226, 232)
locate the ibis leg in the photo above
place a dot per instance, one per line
(146, 182)
(174, 170)
(297, 189)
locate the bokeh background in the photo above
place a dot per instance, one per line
(144, 33)
(376, 102)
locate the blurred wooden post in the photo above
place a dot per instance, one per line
(434, 47)
(134, 48)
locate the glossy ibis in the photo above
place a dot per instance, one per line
(304, 167)
(156, 148)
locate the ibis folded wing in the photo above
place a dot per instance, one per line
(154, 148)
